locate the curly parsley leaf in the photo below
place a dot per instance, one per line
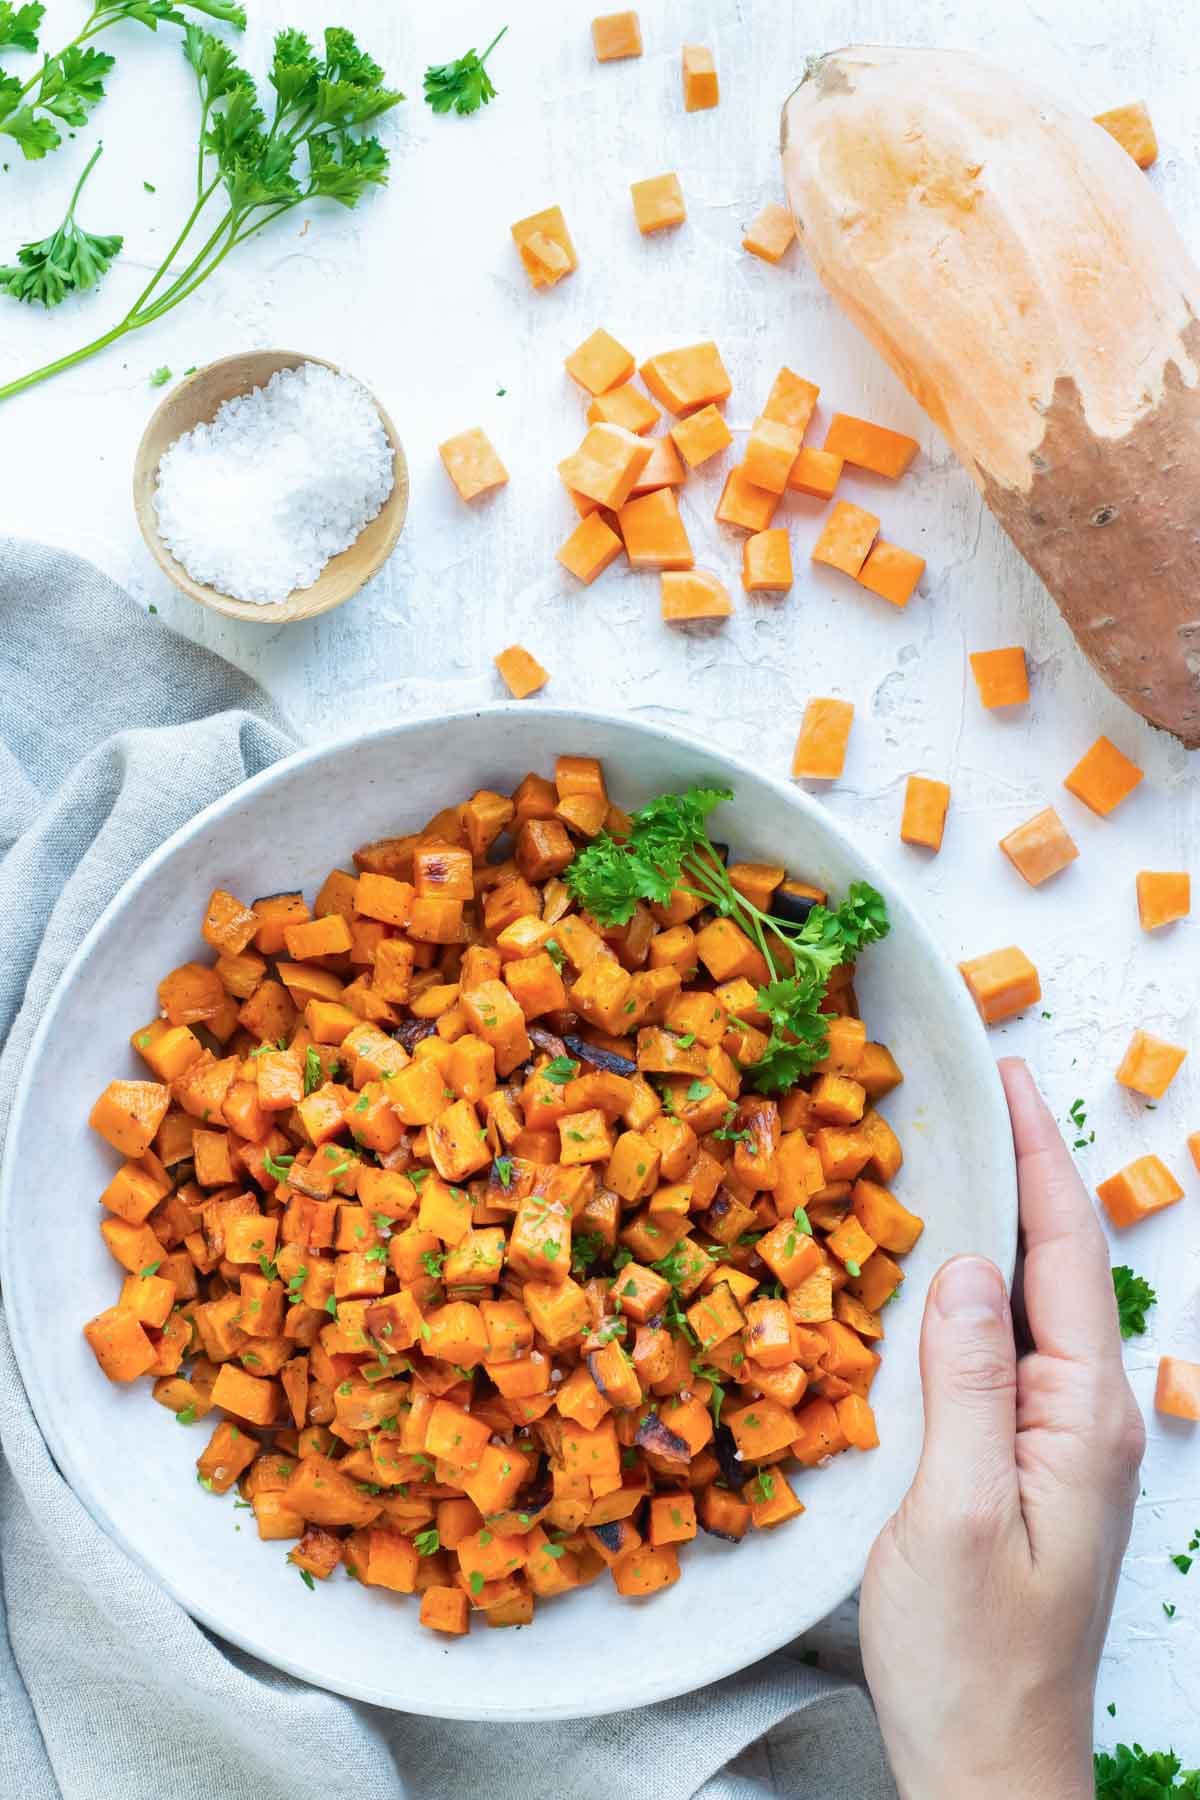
(1134, 1299)
(463, 85)
(69, 262)
(19, 25)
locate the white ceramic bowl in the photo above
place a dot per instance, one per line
(132, 1465)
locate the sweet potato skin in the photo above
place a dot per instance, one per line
(1082, 433)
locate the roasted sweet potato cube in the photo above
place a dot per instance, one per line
(494, 1015)
(129, 1113)
(119, 1343)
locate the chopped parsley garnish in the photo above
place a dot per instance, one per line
(427, 1542)
(313, 1073)
(433, 1262)
(150, 1269)
(306, 1577)
(187, 1415)
(277, 1166)
(554, 951)
(503, 1166)
(560, 1070)
(1134, 1299)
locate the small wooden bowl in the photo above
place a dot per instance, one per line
(196, 401)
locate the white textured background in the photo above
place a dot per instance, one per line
(420, 294)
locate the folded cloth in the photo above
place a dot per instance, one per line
(115, 732)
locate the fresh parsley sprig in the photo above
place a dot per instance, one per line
(1134, 1299)
(464, 85)
(668, 848)
(1132, 1773)
(70, 261)
(251, 169)
(70, 82)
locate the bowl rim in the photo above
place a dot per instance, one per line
(656, 1685)
(293, 608)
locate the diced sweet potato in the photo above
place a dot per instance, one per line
(846, 538)
(1133, 129)
(654, 533)
(891, 572)
(600, 363)
(771, 449)
(616, 35)
(770, 232)
(1040, 848)
(820, 753)
(701, 435)
(129, 1113)
(870, 446)
(1150, 1064)
(683, 380)
(743, 504)
(1177, 1390)
(1001, 983)
(119, 1344)
(1163, 895)
(694, 594)
(606, 464)
(701, 89)
(1142, 1187)
(926, 802)
(551, 227)
(792, 400)
(590, 549)
(624, 405)
(1103, 777)
(472, 465)
(1001, 676)
(657, 203)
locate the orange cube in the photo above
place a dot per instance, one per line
(129, 1113)
(1194, 1147)
(664, 468)
(820, 753)
(701, 435)
(606, 464)
(624, 405)
(701, 90)
(767, 562)
(870, 446)
(1103, 777)
(445, 1609)
(522, 673)
(589, 550)
(1163, 895)
(683, 380)
(925, 805)
(770, 232)
(1133, 129)
(1142, 1187)
(654, 533)
(600, 363)
(1177, 1390)
(657, 203)
(815, 472)
(771, 449)
(791, 400)
(472, 464)
(1001, 676)
(743, 504)
(846, 538)
(616, 35)
(1002, 983)
(694, 595)
(119, 1344)
(550, 229)
(891, 572)
(1040, 848)
(1150, 1064)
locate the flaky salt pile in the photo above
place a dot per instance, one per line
(255, 503)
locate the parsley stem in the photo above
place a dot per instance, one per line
(493, 43)
(91, 163)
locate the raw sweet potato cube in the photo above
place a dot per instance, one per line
(683, 380)
(743, 504)
(1150, 1064)
(1142, 1187)
(654, 533)
(1001, 676)
(1002, 983)
(1133, 129)
(701, 89)
(791, 400)
(1163, 895)
(548, 225)
(815, 472)
(1040, 848)
(616, 35)
(820, 753)
(1177, 1390)
(891, 572)
(701, 435)
(589, 550)
(472, 466)
(624, 405)
(657, 203)
(694, 595)
(846, 538)
(1103, 777)
(770, 232)
(521, 673)
(771, 449)
(606, 464)
(545, 259)
(664, 468)
(925, 805)
(870, 446)
(600, 363)
(767, 562)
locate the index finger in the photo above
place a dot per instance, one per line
(1069, 1299)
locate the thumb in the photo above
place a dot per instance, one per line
(969, 1379)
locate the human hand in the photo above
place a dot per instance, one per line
(987, 1596)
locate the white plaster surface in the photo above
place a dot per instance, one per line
(421, 295)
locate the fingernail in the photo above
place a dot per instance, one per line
(969, 1287)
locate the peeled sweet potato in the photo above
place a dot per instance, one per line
(1012, 264)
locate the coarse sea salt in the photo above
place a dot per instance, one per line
(256, 502)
